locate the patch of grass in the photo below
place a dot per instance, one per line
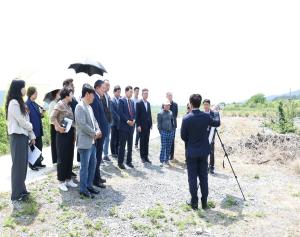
(3, 204)
(155, 213)
(42, 218)
(211, 204)
(297, 194)
(10, 222)
(230, 201)
(29, 208)
(260, 214)
(185, 222)
(130, 216)
(257, 176)
(113, 212)
(143, 229)
(185, 207)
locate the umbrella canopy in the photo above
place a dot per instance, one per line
(50, 96)
(89, 67)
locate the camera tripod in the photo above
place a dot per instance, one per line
(226, 155)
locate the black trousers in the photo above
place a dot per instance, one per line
(99, 150)
(212, 155)
(19, 156)
(125, 137)
(173, 148)
(65, 154)
(137, 137)
(144, 143)
(197, 168)
(39, 145)
(53, 143)
(114, 140)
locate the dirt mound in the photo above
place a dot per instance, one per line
(263, 148)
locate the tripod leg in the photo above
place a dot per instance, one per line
(226, 155)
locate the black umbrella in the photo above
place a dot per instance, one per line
(50, 96)
(89, 67)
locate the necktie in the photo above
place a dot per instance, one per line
(130, 108)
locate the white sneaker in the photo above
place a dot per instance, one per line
(71, 184)
(63, 187)
(162, 164)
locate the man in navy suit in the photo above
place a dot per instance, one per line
(194, 132)
(127, 123)
(144, 125)
(98, 110)
(206, 106)
(114, 142)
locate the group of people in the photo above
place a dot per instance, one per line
(89, 123)
(94, 122)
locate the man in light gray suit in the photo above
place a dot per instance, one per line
(87, 132)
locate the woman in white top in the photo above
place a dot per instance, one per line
(20, 135)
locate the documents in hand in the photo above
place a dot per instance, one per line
(67, 124)
(33, 154)
(211, 134)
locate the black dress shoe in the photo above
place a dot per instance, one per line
(100, 185)
(143, 160)
(93, 191)
(148, 161)
(26, 193)
(194, 206)
(73, 174)
(122, 167)
(33, 167)
(130, 165)
(102, 180)
(41, 166)
(87, 195)
(106, 158)
(204, 206)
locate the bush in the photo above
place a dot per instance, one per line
(4, 139)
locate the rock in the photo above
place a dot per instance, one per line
(199, 231)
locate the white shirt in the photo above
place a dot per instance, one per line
(92, 118)
(146, 105)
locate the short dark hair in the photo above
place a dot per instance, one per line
(98, 83)
(87, 88)
(195, 100)
(31, 91)
(128, 88)
(206, 101)
(145, 89)
(67, 82)
(65, 92)
(136, 88)
(117, 88)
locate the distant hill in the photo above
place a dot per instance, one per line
(294, 94)
(2, 93)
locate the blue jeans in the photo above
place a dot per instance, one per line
(106, 142)
(167, 138)
(87, 167)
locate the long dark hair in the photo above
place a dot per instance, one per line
(14, 92)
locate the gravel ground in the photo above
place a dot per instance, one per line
(150, 201)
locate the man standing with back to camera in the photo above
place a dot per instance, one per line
(194, 132)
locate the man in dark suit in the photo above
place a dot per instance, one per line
(206, 106)
(98, 110)
(194, 132)
(127, 123)
(114, 143)
(144, 125)
(174, 109)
